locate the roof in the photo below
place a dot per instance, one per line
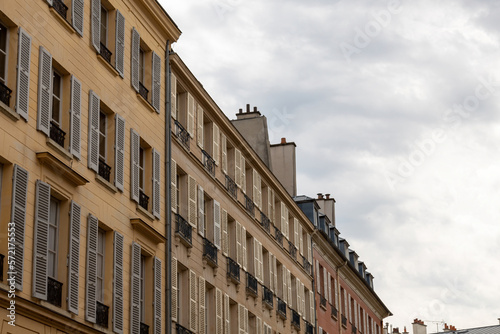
(478, 330)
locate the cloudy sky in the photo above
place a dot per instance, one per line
(395, 110)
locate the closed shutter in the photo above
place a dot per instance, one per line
(243, 175)
(225, 239)
(23, 74)
(73, 257)
(173, 95)
(119, 152)
(76, 116)
(325, 283)
(311, 306)
(93, 148)
(157, 296)
(40, 253)
(329, 288)
(77, 16)
(349, 309)
(192, 202)
(244, 247)
(91, 291)
(227, 318)
(156, 183)
(120, 43)
(224, 153)
(256, 264)
(356, 314)
(336, 294)
(296, 232)
(284, 282)
(283, 219)
(190, 112)
(175, 301)
(303, 300)
(289, 286)
(201, 303)
(261, 263)
(96, 25)
(44, 91)
(173, 185)
(271, 271)
(275, 271)
(259, 329)
(239, 246)
(219, 328)
(18, 217)
(309, 250)
(245, 310)
(237, 167)
(193, 302)
(134, 61)
(216, 140)
(134, 164)
(118, 283)
(156, 82)
(135, 288)
(318, 277)
(241, 319)
(255, 187)
(301, 240)
(199, 121)
(217, 232)
(299, 296)
(201, 211)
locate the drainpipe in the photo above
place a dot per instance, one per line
(337, 269)
(168, 222)
(313, 285)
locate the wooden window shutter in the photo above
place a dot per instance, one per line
(241, 319)
(243, 175)
(120, 43)
(201, 303)
(190, 116)
(289, 286)
(173, 95)
(336, 294)
(40, 253)
(156, 183)
(325, 283)
(156, 82)
(96, 25)
(309, 250)
(245, 310)
(173, 184)
(227, 317)
(91, 287)
(175, 301)
(255, 187)
(237, 167)
(193, 302)
(302, 289)
(224, 153)
(244, 247)
(77, 16)
(225, 239)
(74, 256)
(93, 147)
(216, 143)
(283, 219)
(271, 271)
(134, 164)
(192, 208)
(239, 247)
(157, 296)
(318, 277)
(298, 295)
(284, 282)
(201, 211)
(119, 152)
(349, 311)
(296, 232)
(134, 62)
(270, 204)
(18, 216)
(261, 263)
(219, 328)
(329, 288)
(44, 91)
(217, 229)
(275, 271)
(76, 116)
(256, 265)
(23, 74)
(135, 288)
(301, 240)
(311, 307)
(118, 283)
(199, 120)
(258, 324)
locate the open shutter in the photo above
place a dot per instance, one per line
(173, 95)
(217, 225)
(134, 62)
(270, 204)
(284, 283)
(44, 91)
(190, 116)
(311, 307)
(193, 303)
(77, 16)
(296, 232)
(239, 249)
(74, 257)
(216, 139)
(246, 319)
(199, 121)
(76, 115)
(225, 239)
(192, 202)
(243, 175)
(175, 301)
(218, 312)
(156, 183)
(201, 303)
(309, 254)
(329, 288)
(258, 323)
(156, 82)
(255, 191)
(275, 271)
(157, 296)
(303, 306)
(289, 286)
(18, 217)
(120, 43)
(223, 141)
(244, 247)
(118, 283)
(271, 271)
(299, 296)
(135, 288)
(301, 240)
(349, 309)
(256, 266)
(318, 277)
(336, 294)
(119, 152)
(91, 292)
(241, 319)
(134, 164)
(237, 167)
(173, 185)
(96, 25)
(325, 283)
(23, 74)
(40, 240)
(227, 318)
(201, 211)
(93, 148)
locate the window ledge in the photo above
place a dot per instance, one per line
(108, 65)
(61, 168)
(323, 307)
(146, 103)
(59, 149)
(106, 184)
(65, 23)
(148, 214)
(9, 112)
(55, 309)
(152, 234)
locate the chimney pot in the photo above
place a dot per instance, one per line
(248, 107)
(241, 111)
(255, 109)
(327, 196)
(283, 140)
(320, 196)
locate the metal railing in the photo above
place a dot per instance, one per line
(208, 162)
(143, 91)
(278, 236)
(56, 134)
(265, 222)
(252, 285)
(292, 249)
(101, 314)
(104, 170)
(210, 252)
(1, 266)
(143, 200)
(182, 134)
(5, 94)
(309, 328)
(182, 330)
(231, 187)
(281, 310)
(344, 321)
(183, 229)
(249, 205)
(233, 270)
(334, 311)
(106, 54)
(54, 292)
(267, 296)
(322, 301)
(144, 328)
(306, 265)
(60, 8)
(295, 319)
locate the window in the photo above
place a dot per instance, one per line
(184, 296)
(56, 98)
(142, 162)
(69, 11)
(142, 304)
(53, 237)
(104, 26)
(3, 54)
(101, 238)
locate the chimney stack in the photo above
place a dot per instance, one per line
(283, 140)
(419, 327)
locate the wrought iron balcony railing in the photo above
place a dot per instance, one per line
(233, 270)
(60, 8)
(183, 230)
(104, 170)
(252, 285)
(56, 134)
(1, 266)
(322, 301)
(144, 328)
(5, 93)
(102, 314)
(344, 321)
(267, 296)
(210, 252)
(143, 200)
(182, 134)
(106, 54)
(182, 330)
(292, 249)
(231, 187)
(278, 236)
(54, 292)
(143, 91)
(265, 222)
(334, 311)
(208, 162)
(309, 328)
(306, 265)
(281, 308)
(295, 320)
(249, 205)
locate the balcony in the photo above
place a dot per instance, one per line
(278, 236)
(183, 230)
(281, 311)
(306, 265)
(296, 320)
(54, 292)
(292, 250)
(56, 134)
(1, 266)
(182, 330)
(143, 200)
(106, 54)
(210, 253)
(5, 93)
(60, 8)
(208, 162)
(267, 297)
(104, 170)
(344, 321)
(182, 135)
(265, 222)
(233, 270)
(231, 187)
(334, 312)
(309, 328)
(249, 205)
(102, 314)
(252, 285)
(353, 329)
(143, 91)
(144, 329)
(322, 302)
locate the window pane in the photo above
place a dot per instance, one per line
(141, 169)
(3, 52)
(102, 135)
(56, 98)
(104, 25)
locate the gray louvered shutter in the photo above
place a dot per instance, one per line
(23, 74)
(118, 283)
(201, 211)
(135, 288)
(77, 16)
(41, 240)
(156, 183)
(73, 256)
(18, 217)
(134, 62)
(50, 2)
(156, 82)
(44, 91)
(76, 116)
(217, 231)
(91, 292)
(93, 147)
(134, 164)
(157, 297)
(119, 152)
(96, 25)
(120, 42)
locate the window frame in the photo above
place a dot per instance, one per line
(59, 76)
(54, 222)
(5, 53)
(104, 27)
(101, 257)
(103, 134)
